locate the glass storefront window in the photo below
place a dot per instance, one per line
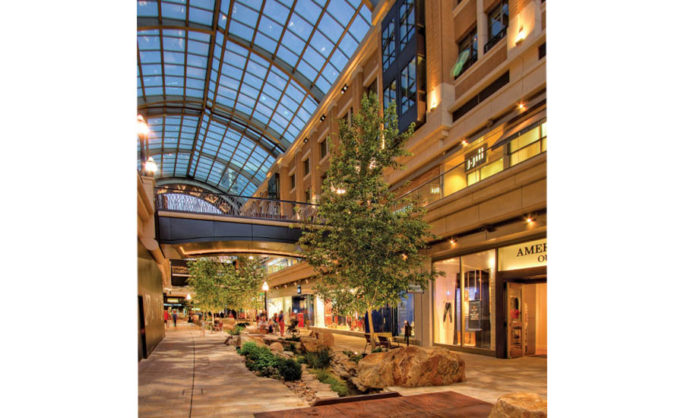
(463, 301)
(478, 298)
(447, 303)
(405, 312)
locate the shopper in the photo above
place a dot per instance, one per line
(407, 332)
(175, 318)
(281, 323)
(166, 318)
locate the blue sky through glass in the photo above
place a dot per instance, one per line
(252, 76)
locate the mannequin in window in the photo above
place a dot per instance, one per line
(515, 309)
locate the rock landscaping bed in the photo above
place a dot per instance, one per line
(310, 368)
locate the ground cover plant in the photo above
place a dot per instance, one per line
(336, 384)
(318, 359)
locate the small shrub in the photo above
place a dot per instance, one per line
(236, 330)
(377, 350)
(265, 363)
(289, 369)
(301, 359)
(318, 359)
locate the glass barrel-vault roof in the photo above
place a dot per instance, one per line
(227, 85)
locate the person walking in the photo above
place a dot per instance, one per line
(175, 318)
(281, 323)
(407, 332)
(166, 318)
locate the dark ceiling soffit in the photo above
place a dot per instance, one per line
(221, 114)
(149, 23)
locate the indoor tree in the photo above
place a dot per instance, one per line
(218, 285)
(364, 242)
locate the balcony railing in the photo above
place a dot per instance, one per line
(495, 39)
(457, 178)
(231, 205)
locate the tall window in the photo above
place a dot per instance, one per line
(324, 148)
(373, 88)
(292, 181)
(388, 45)
(467, 53)
(390, 94)
(497, 22)
(407, 24)
(408, 86)
(306, 167)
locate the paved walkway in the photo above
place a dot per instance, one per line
(188, 375)
(487, 378)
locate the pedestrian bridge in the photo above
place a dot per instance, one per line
(193, 222)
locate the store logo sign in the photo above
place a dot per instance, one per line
(524, 255)
(476, 158)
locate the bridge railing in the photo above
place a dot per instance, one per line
(231, 205)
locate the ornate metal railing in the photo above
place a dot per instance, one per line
(192, 200)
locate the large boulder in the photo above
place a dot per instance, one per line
(410, 367)
(324, 338)
(250, 339)
(276, 347)
(519, 405)
(311, 344)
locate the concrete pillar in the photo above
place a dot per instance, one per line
(481, 29)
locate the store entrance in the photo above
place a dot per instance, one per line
(526, 317)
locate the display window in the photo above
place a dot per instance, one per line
(463, 301)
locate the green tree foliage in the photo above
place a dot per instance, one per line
(364, 242)
(218, 285)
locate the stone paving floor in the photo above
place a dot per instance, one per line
(189, 375)
(487, 377)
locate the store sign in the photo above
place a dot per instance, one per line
(476, 158)
(415, 288)
(172, 300)
(522, 256)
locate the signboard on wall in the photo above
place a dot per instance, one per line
(476, 158)
(524, 255)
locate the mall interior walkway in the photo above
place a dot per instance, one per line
(188, 375)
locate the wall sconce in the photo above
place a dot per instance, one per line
(433, 102)
(520, 36)
(530, 219)
(344, 88)
(322, 118)
(464, 143)
(452, 241)
(306, 140)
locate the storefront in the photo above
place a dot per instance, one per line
(387, 319)
(484, 291)
(297, 300)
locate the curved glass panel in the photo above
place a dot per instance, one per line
(236, 85)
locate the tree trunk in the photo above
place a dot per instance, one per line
(371, 329)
